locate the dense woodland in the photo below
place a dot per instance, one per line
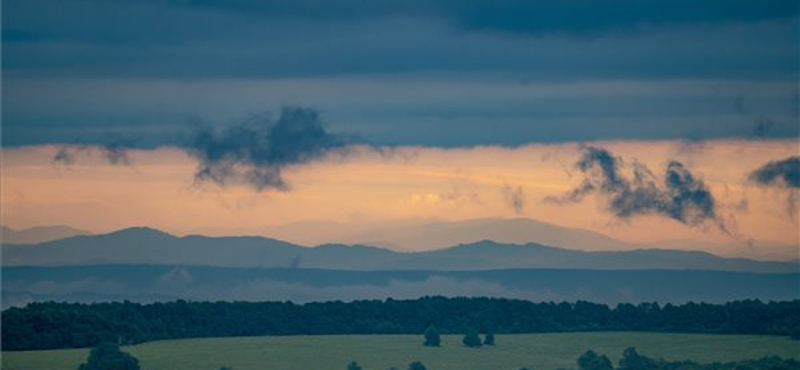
(63, 325)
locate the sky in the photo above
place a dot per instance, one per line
(646, 121)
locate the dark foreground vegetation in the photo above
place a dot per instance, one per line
(71, 325)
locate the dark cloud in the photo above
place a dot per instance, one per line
(782, 174)
(114, 151)
(680, 195)
(785, 172)
(256, 151)
(64, 157)
(514, 197)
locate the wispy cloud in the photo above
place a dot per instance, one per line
(115, 152)
(514, 196)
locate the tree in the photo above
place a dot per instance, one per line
(416, 365)
(591, 361)
(353, 366)
(432, 338)
(471, 339)
(631, 360)
(488, 340)
(107, 356)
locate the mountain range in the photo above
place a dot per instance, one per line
(423, 234)
(150, 246)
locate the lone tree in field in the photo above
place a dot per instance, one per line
(471, 339)
(353, 366)
(488, 340)
(107, 356)
(416, 365)
(632, 360)
(591, 361)
(432, 338)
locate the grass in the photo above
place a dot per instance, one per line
(380, 352)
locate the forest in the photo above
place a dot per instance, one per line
(52, 325)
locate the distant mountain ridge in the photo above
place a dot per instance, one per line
(150, 283)
(149, 246)
(426, 235)
(435, 234)
(39, 234)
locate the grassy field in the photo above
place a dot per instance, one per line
(380, 352)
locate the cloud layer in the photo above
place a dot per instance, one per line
(403, 73)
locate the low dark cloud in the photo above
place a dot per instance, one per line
(65, 157)
(256, 151)
(514, 197)
(784, 172)
(114, 151)
(679, 195)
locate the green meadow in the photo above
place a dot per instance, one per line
(332, 352)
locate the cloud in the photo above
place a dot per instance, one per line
(785, 173)
(256, 151)
(782, 174)
(680, 196)
(514, 197)
(115, 152)
(64, 156)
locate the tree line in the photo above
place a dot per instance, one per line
(52, 325)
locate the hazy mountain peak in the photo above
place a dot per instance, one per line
(139, 232)
(39, 234)
(352, 247)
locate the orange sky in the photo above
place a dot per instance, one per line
(157, 190)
